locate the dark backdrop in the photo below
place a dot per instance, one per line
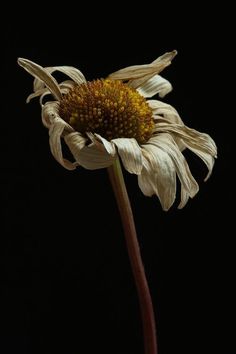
(66, 284)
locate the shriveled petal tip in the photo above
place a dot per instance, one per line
(167, 57)
(139, 74)
(41, 74)
(139, 71)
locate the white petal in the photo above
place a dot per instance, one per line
(143, 72)
(55, 133)
(49, 113)
(65, 86)
(130, 153)
(94, 156)
(184, 198)
(40, 92)
(166, 143)
(75, 141)
(160, 64)
(145, 181)
(206, 158)
(75, 74)
(157, 84)
(200, 143)
(41, 74)
(165, 110)
(132, 72)
(161, 175)
(110, 148)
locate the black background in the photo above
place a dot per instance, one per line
(66, 284)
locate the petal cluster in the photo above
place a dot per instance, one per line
(157, 162)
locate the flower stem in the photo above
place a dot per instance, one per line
(119, 188)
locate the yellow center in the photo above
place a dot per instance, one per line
(109, 108)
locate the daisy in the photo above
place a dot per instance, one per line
(106, 118)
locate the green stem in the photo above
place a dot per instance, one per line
(119, 188)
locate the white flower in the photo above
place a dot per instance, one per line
(103, 119)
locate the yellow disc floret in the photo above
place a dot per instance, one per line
(109, 108)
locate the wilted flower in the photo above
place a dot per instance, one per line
(106, 118)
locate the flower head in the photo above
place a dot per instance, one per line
(104, 119)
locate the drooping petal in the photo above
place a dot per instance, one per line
(73, 73)
(160, 175)
(130, 153)
(189, 186)
(146, 180)
(41, 75)
(41, 92)
(65, 86)
(55, 134)
(141, 73)
(49, 113)
(75, 141)
(200, 143)
(184, 198)
(157, 84)
(206, 158)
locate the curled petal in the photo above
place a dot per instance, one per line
(49, 113)
(75, 141)
(73, 73)
(41, 75)
(206, 158)
(130, 153)
(65, 86)
(40, 92)
(55, 133)
(94, 156)
(165, 110)
(157, 84)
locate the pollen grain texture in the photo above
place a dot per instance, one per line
(109, 108)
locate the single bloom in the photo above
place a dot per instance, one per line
(104, 119)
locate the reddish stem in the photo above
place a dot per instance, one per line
(119, 188)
